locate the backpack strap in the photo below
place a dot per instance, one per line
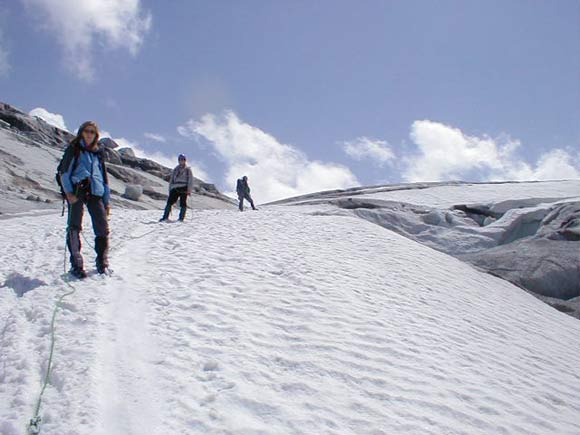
(70, 156)
(101, 155)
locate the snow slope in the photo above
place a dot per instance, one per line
(282, 321)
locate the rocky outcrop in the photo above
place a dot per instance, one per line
(109, 143)
(34, 128)
(127, 152)
(113, 156)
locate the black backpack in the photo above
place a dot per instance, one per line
(68, 156)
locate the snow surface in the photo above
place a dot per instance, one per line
(279, 321)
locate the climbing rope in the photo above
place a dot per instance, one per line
(34, 425)
(35, 422)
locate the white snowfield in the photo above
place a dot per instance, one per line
(280, 321)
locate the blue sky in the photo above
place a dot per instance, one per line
(303, 95)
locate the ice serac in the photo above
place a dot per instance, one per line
(541, 253)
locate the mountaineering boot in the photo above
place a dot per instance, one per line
(78, 272)
(102, 270)
(102, 250)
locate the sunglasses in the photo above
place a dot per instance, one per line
(90, 131)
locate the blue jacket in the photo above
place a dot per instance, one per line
(90, 166)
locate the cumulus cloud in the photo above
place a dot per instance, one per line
(79, 25)
(557, 164)
(169, 161)
(446, 153)
(155, 137)
(275, 170)
(364, 148)
(51, 118)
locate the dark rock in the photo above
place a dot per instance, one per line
(34, 128)
(113, 156)
(108, 143)
(127, 152)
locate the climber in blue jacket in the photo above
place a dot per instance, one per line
(83, 177)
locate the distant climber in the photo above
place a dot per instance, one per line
(180, 186)
(243, 190)
(83, 177)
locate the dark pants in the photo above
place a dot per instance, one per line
(180, 193)
(98, 215)
(248, 198)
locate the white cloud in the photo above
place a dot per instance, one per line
(275, 170)
(557, 164)
(447, 153)
(79, 25)
(155, 137)
(159, 157)
(376, 150)
(51, 118)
